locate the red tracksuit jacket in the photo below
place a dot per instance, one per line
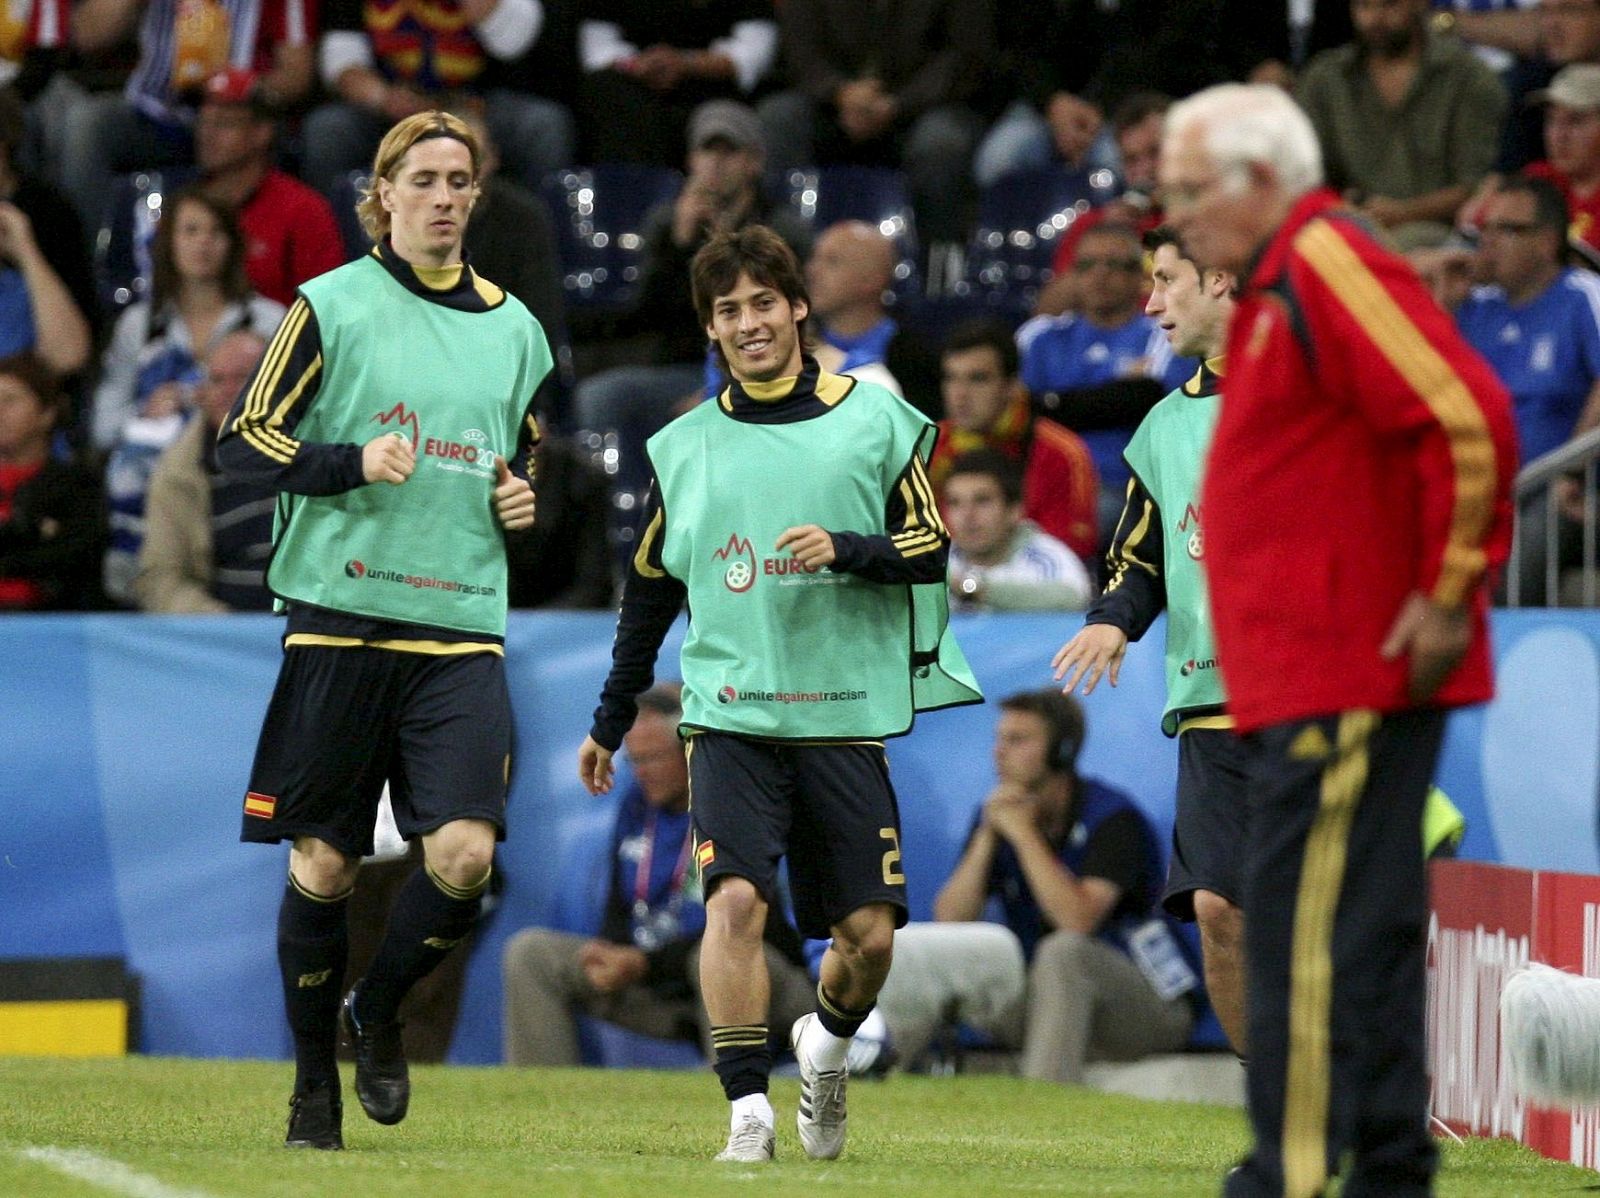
(1363, 452)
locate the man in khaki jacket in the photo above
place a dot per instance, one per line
(207, 536)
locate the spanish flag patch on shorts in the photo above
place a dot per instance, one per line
(259, 805)
(705, 853)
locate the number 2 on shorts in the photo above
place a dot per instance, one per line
(891, 860)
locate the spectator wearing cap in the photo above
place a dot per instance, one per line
(1572, 145)
(1537, 323)
(387, 59)
(180, 47)
(727, 154)
(894, 92)
(289, 231)
(647, 66)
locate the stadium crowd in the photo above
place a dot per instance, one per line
(972, 190)
(171, 172)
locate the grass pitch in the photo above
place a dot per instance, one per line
(158, 1128)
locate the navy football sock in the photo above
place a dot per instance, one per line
(313, 945)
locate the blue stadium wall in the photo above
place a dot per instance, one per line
(125, 745)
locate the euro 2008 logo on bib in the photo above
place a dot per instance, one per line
(740, 574)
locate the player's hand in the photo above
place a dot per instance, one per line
(388, 459)
(1097, 650)
(513, 497)
(812, 544)
(595, 768)
(1434, 636)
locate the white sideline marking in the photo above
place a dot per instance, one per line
(106, 1173)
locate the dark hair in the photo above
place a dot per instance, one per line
(1136, 107)
(1162, 235)
(985, 332)
(1064, 718)
(164, 283)
(1549, 205)
(754, 250)
(665, 699)
(29, 369)
(995, 465)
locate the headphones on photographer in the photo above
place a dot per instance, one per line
(1065, 718)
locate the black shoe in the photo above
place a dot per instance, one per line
(315, 1118)
(383, 1083)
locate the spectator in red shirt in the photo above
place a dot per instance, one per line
(986, 407)
(50, 530)
(1357, 492)
(289, 231)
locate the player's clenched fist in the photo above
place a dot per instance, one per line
(388, 459)
(812, 544)
(513, 497)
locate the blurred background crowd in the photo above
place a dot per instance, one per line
(967, 182)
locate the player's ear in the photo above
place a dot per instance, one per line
(801, 310)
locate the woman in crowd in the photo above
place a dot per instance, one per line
(199, 294)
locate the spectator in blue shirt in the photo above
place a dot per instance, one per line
(1538, 324)
(1080, 965)
(642, 971)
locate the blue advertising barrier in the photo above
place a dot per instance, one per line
(125, 746)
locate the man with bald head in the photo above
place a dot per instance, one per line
(207, 536)
(850, 274)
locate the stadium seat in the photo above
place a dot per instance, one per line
(932, 317)
(122, 244)
(823, 196)
(599, 216)
(1021, 218)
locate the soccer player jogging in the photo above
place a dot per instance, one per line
(793, 513)
(1356, 494)
(1154, 563)
(384, 412)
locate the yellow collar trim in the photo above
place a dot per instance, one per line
(438, 278)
